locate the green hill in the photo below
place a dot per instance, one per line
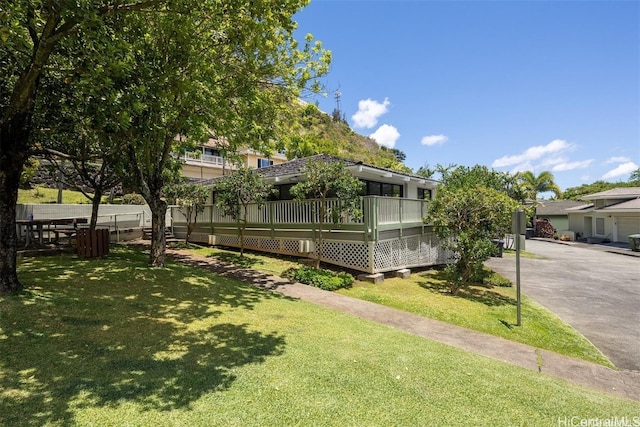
(317, 132)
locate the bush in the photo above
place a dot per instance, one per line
(324, 279)
(133, 199)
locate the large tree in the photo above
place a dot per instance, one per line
(202, 66)
(31, 34)
(251, 64)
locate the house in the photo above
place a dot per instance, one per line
(555, 211)
(207, 161)
(391, 235)
(610, 215)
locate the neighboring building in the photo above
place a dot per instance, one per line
(207, 160)
(611, 215)
(390, 236)
(555, 211)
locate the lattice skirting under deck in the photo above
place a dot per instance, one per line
(371, 257)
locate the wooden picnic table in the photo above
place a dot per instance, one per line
(40, 226)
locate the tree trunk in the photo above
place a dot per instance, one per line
(321, 216)
(14, 134)
(158, 239)
(95, 205)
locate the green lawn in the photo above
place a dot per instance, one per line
(113, 342)
(488, 310)
(40, 195)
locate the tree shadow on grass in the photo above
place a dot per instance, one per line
(437, 282)
(82, 335)
(236, 259)
(233, 266)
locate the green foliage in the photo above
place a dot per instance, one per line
(30, 168)
(315, 132)
(426, 171)
(330, 180)
(320, 278)
(235, 192)
(324, 181)
(190, 200)
(575, 193)
(133, 199)
(541, 183)
(468, 177)
(466, 220)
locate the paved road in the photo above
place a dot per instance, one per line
(596, 292)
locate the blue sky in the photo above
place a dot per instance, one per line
(513, 85)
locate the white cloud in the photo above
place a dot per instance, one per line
(555, 147)
(432, 140)
(617, 160)
(569, 166)
(622, 170)
(386, 135)
(369, 111)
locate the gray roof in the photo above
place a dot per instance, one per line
(614, 193)
(632, 205)
(296, 166)
(556, 207)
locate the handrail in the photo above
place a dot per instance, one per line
(377, 210)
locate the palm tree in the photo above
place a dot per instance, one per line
(539, 184)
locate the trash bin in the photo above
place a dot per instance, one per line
(500, 245)
(634, 242)
(528, 233)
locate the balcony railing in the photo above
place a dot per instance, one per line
(379, 213)
(205, 159)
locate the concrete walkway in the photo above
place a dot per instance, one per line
(620, 383)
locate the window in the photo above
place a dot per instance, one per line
(424, 194)
(211, 152)
(373, 188)
(263, 163)
(600, 226)
(282, 192)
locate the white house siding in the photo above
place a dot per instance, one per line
(627, 225)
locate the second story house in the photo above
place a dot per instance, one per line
(207, 160)
(610, 215)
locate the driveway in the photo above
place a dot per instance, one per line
(596, 292)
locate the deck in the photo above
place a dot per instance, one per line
(391, 235)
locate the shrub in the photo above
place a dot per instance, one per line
(133, 199)
(324, 279)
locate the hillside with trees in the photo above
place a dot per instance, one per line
(316, 132)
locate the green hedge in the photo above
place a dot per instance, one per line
(323, 279)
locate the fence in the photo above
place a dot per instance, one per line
(115, 218)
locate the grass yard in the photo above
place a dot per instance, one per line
(488, 310)
(40, 195)
(112, 342)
